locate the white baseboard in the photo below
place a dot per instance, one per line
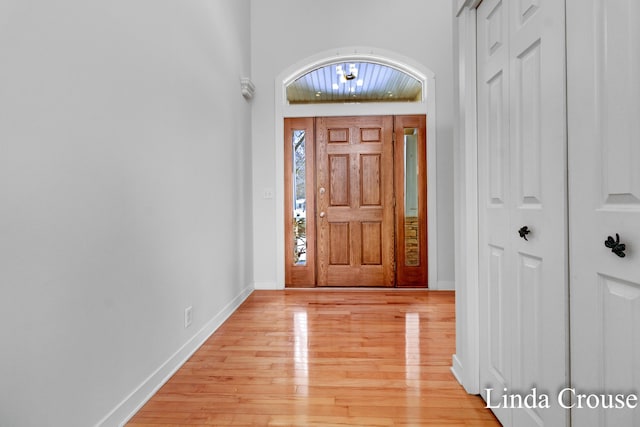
(124, 411)
(266, 286)
(446, 285)
(456, 369)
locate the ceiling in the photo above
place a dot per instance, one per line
(354, 82)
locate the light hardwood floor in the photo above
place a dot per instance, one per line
(324, 358)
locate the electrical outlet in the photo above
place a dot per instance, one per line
(188, 316)
(267, 193)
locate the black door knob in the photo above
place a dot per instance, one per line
(615, 246)
(523, 232)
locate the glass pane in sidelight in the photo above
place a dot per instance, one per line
(411, 220)
(299, 195)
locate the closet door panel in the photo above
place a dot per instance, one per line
(495, 266)
(618, 69)
(539, 186)
(529, 338)
(499, 358)
(528, 148)
(604, 182)
(523, 186)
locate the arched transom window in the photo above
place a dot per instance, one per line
(354, 82)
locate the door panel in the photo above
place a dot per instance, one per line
(370, 191)
(339, 242)
(355, 201)
(499, 355)
(371, 243)
(497, 107)
(604, 154)
(528, 142)
(539, 189)
(339, 187)
(496, 290)
(522, 182)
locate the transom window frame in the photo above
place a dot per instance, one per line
(355, 82)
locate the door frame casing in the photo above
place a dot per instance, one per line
(318, 150)
(466, 360)
(426, 106)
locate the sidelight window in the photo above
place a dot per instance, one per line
(299, 196)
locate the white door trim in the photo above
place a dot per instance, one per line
(426, 106)
(466, 361)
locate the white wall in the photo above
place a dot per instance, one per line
(125, 196)
(284, 32)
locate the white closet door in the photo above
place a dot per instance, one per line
(496, 258)
(539, 191)
(522, 183)
(603, 39)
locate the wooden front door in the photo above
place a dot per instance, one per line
(354, 194)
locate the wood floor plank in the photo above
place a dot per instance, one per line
(324, 358)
